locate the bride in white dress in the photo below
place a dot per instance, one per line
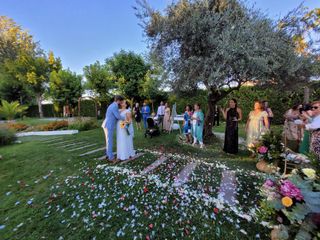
(125, 149)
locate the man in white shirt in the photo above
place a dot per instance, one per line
(160, 114)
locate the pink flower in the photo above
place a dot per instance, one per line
(288, 189)
(268, 184)
(280, 220)
(262, 150)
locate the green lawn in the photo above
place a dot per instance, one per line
(48, 192)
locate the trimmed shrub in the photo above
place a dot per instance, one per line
(7, 136)
(83, 125)
(87, 108)
(48, 111)
(17, 126)
(54, 126)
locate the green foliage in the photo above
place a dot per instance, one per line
(48, 111)
(183, 99)
(7, 136)
(24, 69)
(221, 44)
(99, 79)
(65, 87)
(297, 214)
(84, 125)
(12, 89)
(87, 109)
(129, 70)
(10, 110)
(14, 40)
(273, 141)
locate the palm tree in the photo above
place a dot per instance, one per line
(10, 110)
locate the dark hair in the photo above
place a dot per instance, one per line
(235, 101)
(198, 104)
(127, 104)
(118, 98)
(189, 106)
(295, 107)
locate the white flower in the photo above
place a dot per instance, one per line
(309, 172)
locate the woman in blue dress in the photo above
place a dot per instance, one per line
(197, 125)
(187, 123)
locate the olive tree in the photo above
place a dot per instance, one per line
(220, 45)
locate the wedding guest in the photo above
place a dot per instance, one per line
(160, 114)
(292, 132)
(232, 114)
(167, 118)
(306, 117)
(197, 125)
(187, 123)
(314, 128)
(137, 115)
(268, 111)
(216, 118)
(256, 124)
(145, 114)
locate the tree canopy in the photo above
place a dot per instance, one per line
(221, 45)
(24, 66)
(99, 79)
(129, 70)
(65, 87)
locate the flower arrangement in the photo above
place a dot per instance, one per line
(269, 148)
(125, 125)
(292, 204)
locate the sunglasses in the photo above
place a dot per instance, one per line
(314, 108)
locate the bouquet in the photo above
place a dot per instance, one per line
(125, 125)
(269, 148)
(292, 204)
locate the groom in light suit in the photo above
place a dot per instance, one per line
(112, 116)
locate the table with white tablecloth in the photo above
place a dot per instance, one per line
(178, 119)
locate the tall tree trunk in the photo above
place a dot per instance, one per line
(39, 100)
(152, 106)
(213, 97)
(306, 95)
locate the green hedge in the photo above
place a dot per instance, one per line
(87, 110)
(33, 111)
(7, 136)
(279, 100)
(184, 99)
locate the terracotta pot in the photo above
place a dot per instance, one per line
(279, 233)
(263, 166)
(275, 234)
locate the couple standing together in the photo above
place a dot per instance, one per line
(119, 119)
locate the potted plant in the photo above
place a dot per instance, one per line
(268, 152)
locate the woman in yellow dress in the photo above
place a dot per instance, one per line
(257, 124)
(167, 118)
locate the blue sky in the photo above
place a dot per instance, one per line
(83, 31)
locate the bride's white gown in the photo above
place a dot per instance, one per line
(124, 141)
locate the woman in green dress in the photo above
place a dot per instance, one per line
(197, 125)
